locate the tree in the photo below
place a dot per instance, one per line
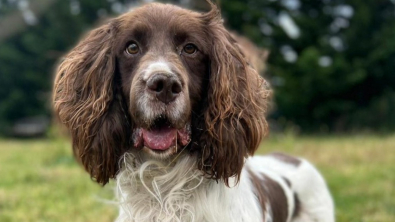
(333, 69)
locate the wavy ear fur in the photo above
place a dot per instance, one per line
(235, 117)
(86, 100)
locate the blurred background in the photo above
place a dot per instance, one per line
(331, 65)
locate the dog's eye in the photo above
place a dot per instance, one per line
(190, 48)
(132, 48)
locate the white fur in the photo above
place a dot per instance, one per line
(174, 110)
(159, 66)
(175, 191)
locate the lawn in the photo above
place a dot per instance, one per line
(40, 180)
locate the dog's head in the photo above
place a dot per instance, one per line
(161, 79)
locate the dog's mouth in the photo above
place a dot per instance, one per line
(161, 136)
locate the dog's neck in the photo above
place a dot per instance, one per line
(175, 190)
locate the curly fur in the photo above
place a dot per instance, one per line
(236, 105)
(154, 191)
(86, 102)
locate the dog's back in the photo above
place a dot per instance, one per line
(301, 184)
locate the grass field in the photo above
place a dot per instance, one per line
(40, 181)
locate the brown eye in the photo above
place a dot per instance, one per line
(132, 48)
(190, 49)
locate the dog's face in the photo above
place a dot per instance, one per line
(160, 80)
(162, 58)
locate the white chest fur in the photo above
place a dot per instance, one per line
(154, 191)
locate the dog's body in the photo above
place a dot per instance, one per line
(164, 100)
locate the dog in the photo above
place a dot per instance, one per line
(163, 100)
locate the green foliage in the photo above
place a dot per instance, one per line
(356, 89)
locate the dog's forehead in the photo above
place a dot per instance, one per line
(163, 11)
(157, 17)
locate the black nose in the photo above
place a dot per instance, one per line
(165, 87)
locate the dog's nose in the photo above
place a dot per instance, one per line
(165, 87)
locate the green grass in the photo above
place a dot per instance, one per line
(40, 181)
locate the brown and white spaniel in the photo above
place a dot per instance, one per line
(163, 100)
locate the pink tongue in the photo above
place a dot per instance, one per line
(159, 139)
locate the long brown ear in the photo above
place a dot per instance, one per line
(235, 117)
(86, 100)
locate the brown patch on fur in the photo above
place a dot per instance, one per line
(286, 158)
(277, 199)
(270, 192)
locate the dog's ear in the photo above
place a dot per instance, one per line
(237, 96)
(86, 100)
